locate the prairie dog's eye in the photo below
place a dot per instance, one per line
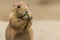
(18, 6)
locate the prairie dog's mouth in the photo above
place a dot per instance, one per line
(25, 16)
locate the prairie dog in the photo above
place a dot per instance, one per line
(20, 21)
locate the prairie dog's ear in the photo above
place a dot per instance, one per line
(13, 5)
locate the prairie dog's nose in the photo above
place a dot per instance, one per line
(28, 14)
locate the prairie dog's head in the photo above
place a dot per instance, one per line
(22, 10)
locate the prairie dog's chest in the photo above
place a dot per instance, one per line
(22, 36)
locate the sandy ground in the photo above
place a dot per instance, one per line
(42, 30)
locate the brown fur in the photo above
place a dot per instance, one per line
(19, 28)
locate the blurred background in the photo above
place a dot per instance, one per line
(40, 9)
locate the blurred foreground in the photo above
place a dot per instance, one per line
(42, 30)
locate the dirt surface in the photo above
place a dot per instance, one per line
(42, 30)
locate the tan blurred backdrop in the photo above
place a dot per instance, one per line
(40, 9)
